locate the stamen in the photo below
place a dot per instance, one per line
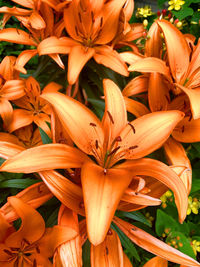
(101, 22)
(168, 99)
(76, 30)
(133, 128)
(132, 147)
(183, 129)
(16, 263)
(34, 263)
(37, 249)
(184, 104)
(17, 31)
(107, 252)
(114, 150)
(105, 171)
(109, 232)
(26, 241)
(93, 124)
(190, 118)
(110, 117)
(92, 15)
(14, 249)
(8, 252)
(39, 189)
(96, 144)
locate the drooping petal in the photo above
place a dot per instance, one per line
(108, 57)
(45, 157)
(165, 175)
(115, 116)
(153, 45)
(194, 97)
(158, 93)
(34, 195)
(136, 108)
(177, 49)
(6, 67)
(78, 57)
(102, 190)
(25, 3)
(140, 199)
(6, 111)
(21, 118)
(131, 57)
(31, 219)
(136, 86)
(8, 149)
(147, 133)
(36, 21)
(41, 120)
(23, 58)
(67, 192)
(156, 262)
(52, 87)
(150, 64)
(78, 121)
(15, 11)
(187, 131)
(177, 156)
(17, 36)
(108, 253)
(58, 60)
(13, 89)
(154, 245)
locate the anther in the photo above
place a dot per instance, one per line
(184, 104)
(133, 128)
(110, 117)
(96, 144)
(104, 171)
(113, 151)
(93, 124)
(79, 15)
(101, 22)
(132, 147)
(107, 252)
(37, 249)
(92, 15)
(109, 232)
(190, 118)
(118, 139)
(183, 129)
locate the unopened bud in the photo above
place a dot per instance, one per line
(145, 22)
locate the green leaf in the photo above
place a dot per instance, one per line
(126, 242)
(164, 221)
(45, 137)
(53, 218)
(18, 183)
(195, 183)
(135, 215)
(194, 228)
(183, 243)
(2, 161)
(161, 3)
(183, 13)
(86, 254)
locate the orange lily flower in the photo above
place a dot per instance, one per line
(33, 108)
(32, 244)
(40, 24)
(69, 254)
(159, 262)
(90, 33)
(154, 245)
(109, 142)
(11, 88)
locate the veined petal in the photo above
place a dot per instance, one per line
(187, 131)
(177, 156)
(128, 9)
(31, 219)
(108, 57)
(6, 67)
(45, 157)
(36, 21)
(23, 58)
(78, 57)
(41, 120)
(150, 64)
(130, 57)
(136, 108)
(102, 190)
(34, 195)
(6, 111)
(136, 86)
(13, 89)
(126, 261)
(165, 175)
(17, 36)
(194, 97)
(108, 253)
(140, 199)
(67, 192)
(25, 3)
(177, 49)
(147, 133)
(153, 45)
(156, 262)
(158, 92)
(115, 116)
(78, 120)
(15, 11)
(4, 228)
(58, 60)
(21, 118)
(52, 87)
(8, 149)
(54, 45)
(154, 245)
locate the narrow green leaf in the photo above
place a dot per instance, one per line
(18, 183)
(86, 254)
(45, 137)
(135, 215)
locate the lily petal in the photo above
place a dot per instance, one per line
(176, 155)
(154, 245)
(131, 57)
(31, 219)
(67, 192)
(178, 58)
(36, 21)
(45, 157)
(6, 111)
(8, 149)
(147, 133)
(23, 58)
(136, 108)
(21, 118)
(140, 199)
(108, 253)
(16, 36)
(165, 175)
(136, 86)
(156, 262)
(78, 121)
(153, 45)
(13, 89)
(102, 190)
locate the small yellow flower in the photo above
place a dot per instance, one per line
(175, 4)
(144, 12)
(196, 246)
(193, 206)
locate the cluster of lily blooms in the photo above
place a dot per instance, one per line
(104, 162)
